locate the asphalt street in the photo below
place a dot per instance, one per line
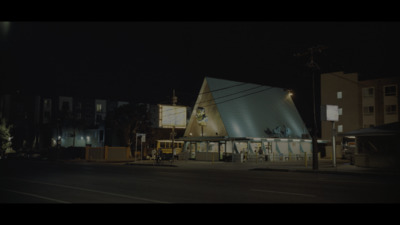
(36, 181)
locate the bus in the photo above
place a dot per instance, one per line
(166, 147)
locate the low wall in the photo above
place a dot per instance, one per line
(375, 161)
(207, 156)
(108, 153)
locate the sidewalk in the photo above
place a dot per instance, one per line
(324, 166)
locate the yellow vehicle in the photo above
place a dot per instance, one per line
(166, 147)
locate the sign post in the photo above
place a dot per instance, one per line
(333, 144)
(331, 113)
(142, 139)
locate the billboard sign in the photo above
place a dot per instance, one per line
(170, 115)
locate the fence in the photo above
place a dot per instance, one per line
(273, 157)
(108, 153)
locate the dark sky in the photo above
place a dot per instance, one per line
(144, 61)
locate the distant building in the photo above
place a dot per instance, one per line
(43, 122)
(362, 104)
(51, 121)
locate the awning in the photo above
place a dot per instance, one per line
(383, 130)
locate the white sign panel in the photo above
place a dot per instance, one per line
(143, 136)
(329, 113)
(172, 116)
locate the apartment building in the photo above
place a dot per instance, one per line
(361, 104)
(380, 101)
(341, 89)
(51, 121)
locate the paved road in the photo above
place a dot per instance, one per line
(24, 181)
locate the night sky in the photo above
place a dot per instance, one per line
(144, 60)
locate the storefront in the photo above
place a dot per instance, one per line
(246, 149)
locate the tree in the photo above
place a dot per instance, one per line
(5, 136)
(127, 120)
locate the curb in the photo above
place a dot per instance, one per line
(150, 164)
(368, 173)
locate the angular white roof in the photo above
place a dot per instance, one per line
(236, 109)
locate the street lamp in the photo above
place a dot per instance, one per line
(290, 93)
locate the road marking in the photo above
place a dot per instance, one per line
(94, 191)
(36, 196)
(285, 193)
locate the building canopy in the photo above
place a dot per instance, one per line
(236, 109)
(383, 130)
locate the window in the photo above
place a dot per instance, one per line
(391, 90)
(47, 103)
(368, 92)
(340, 128)
(99, 118)
(98, 108)
(391, 109)
(101, 135)
(368, 110)
(65, 106)
(46, 115)
(339, 95)
(340, 111)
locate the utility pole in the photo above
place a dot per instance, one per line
(314, 67)
(174, 101)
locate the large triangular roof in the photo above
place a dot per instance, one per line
(237, 109)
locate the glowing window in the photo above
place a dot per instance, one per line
(339, 95)
(340, 128)
(98, 108)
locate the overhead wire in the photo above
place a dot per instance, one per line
(358, 83)
(266, 88)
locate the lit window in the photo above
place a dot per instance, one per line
(340, 128)
(98, 108)
(339, 95)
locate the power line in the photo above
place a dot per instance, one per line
(266, 88)
(224, 88)
(231, 94)
(356, 82)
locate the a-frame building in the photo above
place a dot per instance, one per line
(244, 118)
